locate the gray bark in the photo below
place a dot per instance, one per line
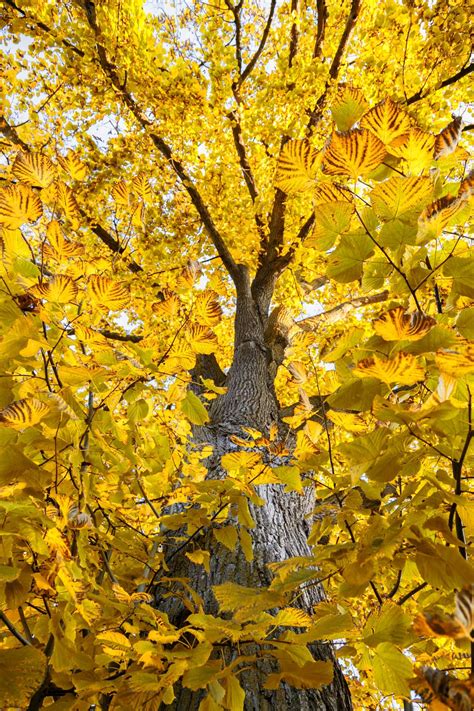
(281, 529)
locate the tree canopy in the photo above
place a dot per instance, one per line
(158, 157)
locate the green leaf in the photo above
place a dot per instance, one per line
(346, 263)
(356, 395)
(392, 670)
(194, 410)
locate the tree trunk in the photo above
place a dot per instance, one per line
(280, 532)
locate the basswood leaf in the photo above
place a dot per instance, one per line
(387, 120)
(297, 167)
(333, 219)
(23, 413)
(201, 339)
(121, 193)
(447, 140)
(199, 677)
(59, 246)
(194, 410)
(199, 558)
(142, 188)
(107, 293)
(227, 536)
(392, 670)
(19, 204)
(348, 106)
(292, 617)
(354, 153)
(398, 197)
(329, 192)
(437, 216)
(311, 675)
(22, 671)
(457, 362)
(232, 597)
(416, 148)
(34, 169)
(397, 325)
(207, 309)
(403, 369)
(60, 289)
(235, 695)
(73, 165)
(466, 188)
(464, 611)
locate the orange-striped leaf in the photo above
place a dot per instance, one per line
(447, 140)
(437, 216)
(121, 193)
(207, 309)
(403, 369)
(59, 246)
(297, 167)
(328, 192)
(354, 153)
(19, 204)
(142, 187)
(107, 293)
(416, 148)
(60, 289)
(387, 121)
(397, 325)
(456, 362)
(398, 196)
(201, 339)
(34, 169)
(23, 413)
(73, 165)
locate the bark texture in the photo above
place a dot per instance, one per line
(280, 532)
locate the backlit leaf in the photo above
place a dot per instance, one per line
(403, 369)
(23, 413)
(73, 165)
(387, 121)
(34, 169)
(456, 362)
(207, 309)
(194, 410)
(416, 148)
(19, 204)
(60, 289)
(107, 293)
(397, 325)
(448, 138)
(297, 167)
(398, 196)
(348, 106)
(354, 153)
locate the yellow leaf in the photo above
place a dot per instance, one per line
(416, 148)
(392, 670)
(226, 535)
(297, 167)
(23, 413)
(328, 192)
(34, 169)
(397, 325)
(458, 362)
(398, 196)
(207, 309)
(354, 153)
(59, 246)
(60, 289)
(231, 597)
(246, 543)
(19, 204)
(121, 193)
(312, 675)
(22, 671)
(333, 219)
(387, 121)
(142, 187)
(199, 677)
(447, 140)
(194, 410)
(73, 165)
(235, 695)
(200, 558)
(403, 369)
(292, 617)
(437, 216)
(107, 293)
(348, 106)
(201, 339)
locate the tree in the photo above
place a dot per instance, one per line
(236, 407)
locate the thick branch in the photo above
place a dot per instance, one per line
(339, 311)
(293, 35)
(322, 19)
(467, 69)
(111, 73)
(316, 114)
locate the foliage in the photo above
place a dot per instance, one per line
(133, 138)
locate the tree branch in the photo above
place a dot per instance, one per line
(111, 72)
(248, 69)
(293, 35)
(339, 311)
(317, 112)
(42, 26)
(467, 69)
(13, 629)
(322, 19)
